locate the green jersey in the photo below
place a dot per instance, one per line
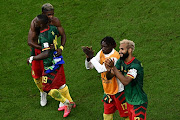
(46, 38)
(134, 90)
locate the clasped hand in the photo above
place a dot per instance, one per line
(88, 51)
(109, 63)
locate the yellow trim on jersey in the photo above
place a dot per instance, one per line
(130, 76)
(46, 49)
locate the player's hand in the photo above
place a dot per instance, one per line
(59, 52)
(85, 49)
(88, 51)
(52, 47)
(28, 61)
(109, 63)
(107, 67)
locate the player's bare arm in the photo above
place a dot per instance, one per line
(125, 80)
(56, 22)
(40, 56)
(33, 36)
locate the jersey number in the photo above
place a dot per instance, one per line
(124, 106)
(44, 79)
(136, 118)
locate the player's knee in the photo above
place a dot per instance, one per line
(108, 116)
(54, 93)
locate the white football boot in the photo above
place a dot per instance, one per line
(43, 100)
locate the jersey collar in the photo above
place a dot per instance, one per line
(127, 63)
(107, 55)
(45, 29)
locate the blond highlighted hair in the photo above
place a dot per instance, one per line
(130, 44)
(47, 7)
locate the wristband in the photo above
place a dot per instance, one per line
(31, 59)
(61, 47)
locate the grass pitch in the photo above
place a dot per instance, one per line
(152, 24)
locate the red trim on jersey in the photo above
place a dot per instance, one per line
(130, 76)
(127, 63)
(141, 107)
(46, 49)
(45, 29)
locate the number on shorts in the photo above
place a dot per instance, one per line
(44, 80)
(136, 118)
(124, 106)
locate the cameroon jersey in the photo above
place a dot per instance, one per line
(134, 93)
(46, 38)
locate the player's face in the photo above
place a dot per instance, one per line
(49, 14)
(106, 48)
(123, 51)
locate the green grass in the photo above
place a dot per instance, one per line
(152, 24)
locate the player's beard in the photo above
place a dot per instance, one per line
(124, 56)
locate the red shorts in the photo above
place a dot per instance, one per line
(118, 103)
(37, 66)
(54, 80)
(137, 112)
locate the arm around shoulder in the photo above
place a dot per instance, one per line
(125, 80)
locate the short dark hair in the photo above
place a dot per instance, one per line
(43, 18)
(109, 41)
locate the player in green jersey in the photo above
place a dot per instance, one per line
(113, 97)
(53, 75)
(130, 72)
(34, 31)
